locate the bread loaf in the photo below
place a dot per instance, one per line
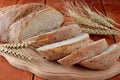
(24, 21)
(11, 14)
(84, 53)
(104, 60)
(60, 34)
(61, 49)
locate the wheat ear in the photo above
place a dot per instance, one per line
(107, 18)
(90, 21)
(15, 54)
(99, 17)
(18, 45)
(84, 21)
(99, 31)
(102, 20)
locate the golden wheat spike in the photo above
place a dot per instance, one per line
(15, 54)
(85, 21)
(81, 19)
(107, 18)
(99, 31)
(99, 17)
(18, 45)
(90, 20)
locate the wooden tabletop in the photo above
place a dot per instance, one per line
(110, 8)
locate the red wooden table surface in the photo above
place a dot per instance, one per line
(110, 8)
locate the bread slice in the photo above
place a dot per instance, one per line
(36, 23)
(11, 14)
(60, 34)
(104, 60)
(60, 49)
(84, 53)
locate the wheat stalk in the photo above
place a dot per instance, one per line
(80, 18)
(90, 20)
(99, 31)
(100, 18)
(18, 45)
(85, 21)
(107, 18)
(7, 49)
(15, 54)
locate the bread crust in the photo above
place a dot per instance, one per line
(64, 50)
(84, 53)
(60, 34)
(104, 60)
(11, 14)
(18, 26)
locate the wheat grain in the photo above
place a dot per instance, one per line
(91, 21)
(80, 18)
(99, 31)
(105, 21)
(107, 18)
(15, 54)
(85, 21)
(19, 45)
(96, 16)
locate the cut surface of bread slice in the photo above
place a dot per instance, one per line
(11, 14)
(36, 23)
(84, 53)
(56, 35)
(60, 49)
(104, 60)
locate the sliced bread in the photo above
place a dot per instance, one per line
(60, 49)
(84, 53)
(104, 60)
(60, 34)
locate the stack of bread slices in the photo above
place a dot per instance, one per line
(80, 49)
(67, 44)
